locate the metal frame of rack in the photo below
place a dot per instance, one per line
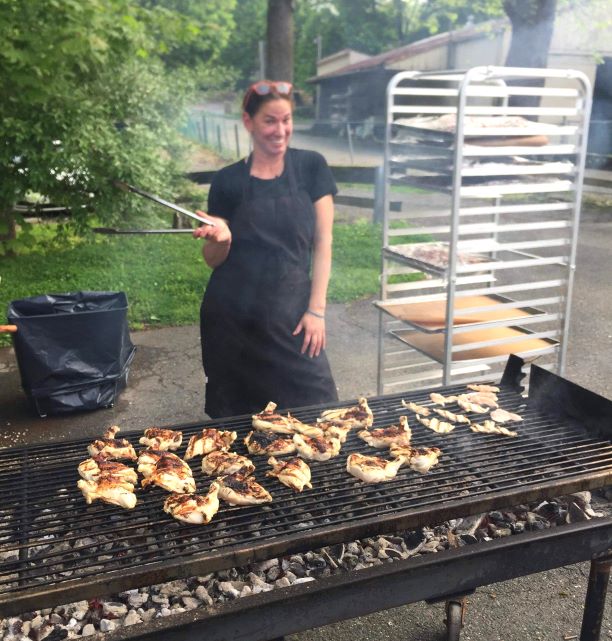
(486, 268)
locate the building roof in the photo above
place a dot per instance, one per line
(406, 51)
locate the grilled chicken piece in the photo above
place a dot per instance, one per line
(502, 416)
(261, 442)
(372, 469)
(317, 449)
(486, 399)
(468, 406)
(313, 431)
(483, 388)
(240, 489)
(450, 416)
(217, 463)
(439, 399)
(210, 440)
(490, 427)
(331, 430)
(293, 473)
(435, 424)
(112, 448)
(385, 436)
(269, 420)
(92, 469)
(359, 415)
(111, 431)
(173, 474)
(110, 490)
(417, 409)
(194, 508)
(161, 439)
(147, 460)
(419, 460)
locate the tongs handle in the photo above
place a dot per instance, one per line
(11, 329)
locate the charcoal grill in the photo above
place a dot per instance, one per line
(56, 549)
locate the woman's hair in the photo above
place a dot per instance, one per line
(264, 91)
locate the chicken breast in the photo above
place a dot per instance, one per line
(262, 442)
(112, 448)
(384, 436)
(147, 460)
(450, 416)
(269, 420)
(490, 427)
(486, 399)
(240, 489)
(304, 428)
(468, 406)
(483, 388)
(372, 469)
(158, 438)
(502, 416)
(109, 490)
(172, 474)
(435, 424)
(194, 508)
(316, 449)
(92, 469)
(359, 415)
(293, 473)
(332, 430)
(417, 409)
(210, 440)
(419, 460)
(111, 431)
(218, 462)
(440, 399)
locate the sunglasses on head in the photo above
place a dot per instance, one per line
(265, 87)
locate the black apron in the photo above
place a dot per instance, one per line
(254, 301)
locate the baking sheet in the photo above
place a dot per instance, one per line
(433, 256)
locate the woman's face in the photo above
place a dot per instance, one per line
(271, 127)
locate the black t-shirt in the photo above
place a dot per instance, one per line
(312, 173)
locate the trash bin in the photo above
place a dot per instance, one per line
(73, 350)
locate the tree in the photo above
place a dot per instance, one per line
(279, 40)
(87, 100)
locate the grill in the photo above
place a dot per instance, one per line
(56, 549)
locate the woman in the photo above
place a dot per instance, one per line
(262, 320)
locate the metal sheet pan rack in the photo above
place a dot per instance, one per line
(488, 164)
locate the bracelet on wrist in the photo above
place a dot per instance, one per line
(315, 314)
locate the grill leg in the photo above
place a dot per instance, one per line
(595, 599)
(455, 615)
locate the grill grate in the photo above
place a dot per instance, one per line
(53, 545)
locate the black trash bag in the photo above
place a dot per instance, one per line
(73, 350)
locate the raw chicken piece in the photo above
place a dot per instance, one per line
(450, 416)
(384, 436)
(419, 460)
(92, 469)
(490, 427)
(359, 415)
(372, 469)
(262, 442)
(194, 508)
(293, 473)
(468, 406)
(158, 438)
(171, 473)
(112, 448)
(502, 416)
(417, 409)
(487, 399)
(436, 424)
(109, 490)
(439, 399)
(217, 463)
(317, 449)
(209, 441)
(483, 388)
(240, 489)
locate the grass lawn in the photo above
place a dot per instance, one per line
(164, 276)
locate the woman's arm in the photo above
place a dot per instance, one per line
(313, 320)
(218, 241)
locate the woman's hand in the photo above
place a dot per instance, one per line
(220, 233)
(314, 334)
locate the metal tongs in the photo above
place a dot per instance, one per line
(181, 210)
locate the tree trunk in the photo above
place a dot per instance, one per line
(8, 230)
(532, 22)
(279, 40)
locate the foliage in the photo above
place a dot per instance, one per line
(87, 99)
(163, 275)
